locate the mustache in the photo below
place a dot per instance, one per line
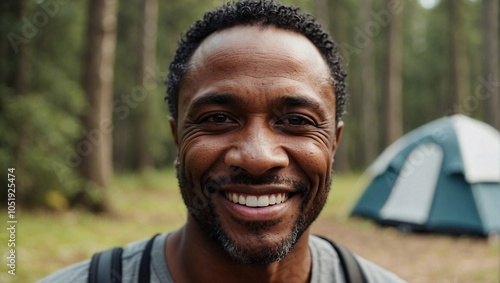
(212, 185)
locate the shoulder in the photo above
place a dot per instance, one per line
(375, 273)
(326, 265)
(78, 273)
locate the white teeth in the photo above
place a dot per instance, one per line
(263, 201)
(272, 199)
(251, 201)
(241, 200)
(257, 201)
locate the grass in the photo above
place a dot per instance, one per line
(345, 191)
(142, 206)
(150, 203)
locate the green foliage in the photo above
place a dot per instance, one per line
(36, 132)
(41, 126)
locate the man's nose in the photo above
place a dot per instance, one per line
(256, 150)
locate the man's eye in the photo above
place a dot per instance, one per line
(296, 120)
(218, 119)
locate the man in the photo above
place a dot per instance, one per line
(257, 95)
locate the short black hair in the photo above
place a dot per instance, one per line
(263, 13)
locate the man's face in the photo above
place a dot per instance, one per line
(256, 138)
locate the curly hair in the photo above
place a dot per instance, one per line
(263, 13)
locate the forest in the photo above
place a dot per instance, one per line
(82, 83)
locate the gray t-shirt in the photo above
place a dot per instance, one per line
(325, 267)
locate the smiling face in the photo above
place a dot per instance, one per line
(256, 135)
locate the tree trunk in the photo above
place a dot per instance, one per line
(337, 29)
(23, 63)
(338, 20)
(96, 148)
(394, 80)
(459, 81)
(22, 81)
(121, 153)
(147, 61)
(370, 125)
(490, 93)
(322, 13)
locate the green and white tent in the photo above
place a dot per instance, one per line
(441, 177)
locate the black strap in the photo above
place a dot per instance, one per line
(144, 266)
(106, 267)
(349, 264)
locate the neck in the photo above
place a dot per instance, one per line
(192, 256)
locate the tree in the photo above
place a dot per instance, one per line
(336, 11)
(23, 68)
(147, 61)
(491, 72)
(41, 99)
(96, 148)
(459, 79)
(322, 12)
(394, 79)
(22, 76)
(368, 82)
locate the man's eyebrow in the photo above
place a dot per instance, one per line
(296, 101)
(231, 99)
(215, 98)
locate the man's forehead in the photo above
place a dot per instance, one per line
(261, 41)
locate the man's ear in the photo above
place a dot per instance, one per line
(338, 133)
(173, 129)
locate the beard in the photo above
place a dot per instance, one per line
(203, 211)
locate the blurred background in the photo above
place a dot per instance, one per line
(83, 117)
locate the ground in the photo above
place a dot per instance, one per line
(419, 258)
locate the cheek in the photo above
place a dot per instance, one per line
(315, 160)
(198, 155)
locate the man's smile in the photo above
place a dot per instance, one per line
(266, 207)
(268, 202)
(257, 200)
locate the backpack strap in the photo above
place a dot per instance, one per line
(349, 264)
(144, 266)
(106, 267)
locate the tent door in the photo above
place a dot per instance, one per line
(411, 198)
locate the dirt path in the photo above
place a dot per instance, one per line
(420, 258)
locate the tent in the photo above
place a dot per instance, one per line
(441, 177)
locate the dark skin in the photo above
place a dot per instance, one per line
(256, 100)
